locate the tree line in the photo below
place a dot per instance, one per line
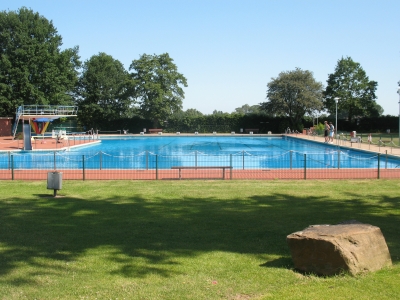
(35, 71)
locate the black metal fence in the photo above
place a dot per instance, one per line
(332, 164)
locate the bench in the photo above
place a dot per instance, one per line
(155, 130)
(254, 130)
(202, 168)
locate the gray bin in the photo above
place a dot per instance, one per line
(54, 180)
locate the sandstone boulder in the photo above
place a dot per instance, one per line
(332, 249)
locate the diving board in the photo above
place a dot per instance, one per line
(42, 114)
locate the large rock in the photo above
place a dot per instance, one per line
(332, 249)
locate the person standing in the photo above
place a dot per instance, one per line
(331, 132)
(326, 131)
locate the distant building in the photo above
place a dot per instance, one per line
(5, 126)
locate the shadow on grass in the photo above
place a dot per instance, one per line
(158, 231)
(280, 263)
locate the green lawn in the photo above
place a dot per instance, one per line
(184, 239)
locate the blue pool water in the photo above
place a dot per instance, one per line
(213, 145)
(146, 152)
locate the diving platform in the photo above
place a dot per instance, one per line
(40, 114)
(29, 112)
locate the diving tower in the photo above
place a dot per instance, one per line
(40, 114)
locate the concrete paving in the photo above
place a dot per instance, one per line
(389, 149)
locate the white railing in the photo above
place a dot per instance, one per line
(47, 110)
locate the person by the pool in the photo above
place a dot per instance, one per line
(326, 131)
(331, 132)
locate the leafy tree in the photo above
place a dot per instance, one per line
(104, 91)
(193, 113)
(189, 113)
(293, 94)
(376, 110)
(158, 88)
(357, 96)
(218, 112)
(247, 109)
(33, 69)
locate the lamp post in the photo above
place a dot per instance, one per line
(336, 101)
(398, 92)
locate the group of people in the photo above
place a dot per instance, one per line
(329, 132)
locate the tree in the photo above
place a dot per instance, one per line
(105, 91)
(192, 113)
(158, 88)
(33, 69)
(293, 94)
(357, 96)
(219, 113)
(247, 109)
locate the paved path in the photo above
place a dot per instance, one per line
(392, 150)
(9, 144)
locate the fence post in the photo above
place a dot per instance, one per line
(305, 166)
(386, 160)
(195, 158)
(9, 160)
(54, 154)
(101, 159)
(338, 158)
(230, 175)
(242, 160)
(156, 166)
(83, 167)
(147, 159)
(291, 157)
(379, 165)
(12, 167)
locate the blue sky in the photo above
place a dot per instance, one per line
(229, 50)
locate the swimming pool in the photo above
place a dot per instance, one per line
(164, 152)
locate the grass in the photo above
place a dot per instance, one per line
(184, 239)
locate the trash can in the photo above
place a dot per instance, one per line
(54, 181)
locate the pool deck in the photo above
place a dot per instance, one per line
(395, 151)
(9, 144)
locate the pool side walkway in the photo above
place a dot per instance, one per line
(7, 143)
(346, 144)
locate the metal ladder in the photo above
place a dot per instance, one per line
(17, 116)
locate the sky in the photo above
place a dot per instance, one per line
(229, 50)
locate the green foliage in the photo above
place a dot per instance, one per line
(226, 123)
(319, 128)
(104, 93)
(158, 88)
(33, 68)
(357, 96)
(247, 109)
(191, 112)
(293, 94)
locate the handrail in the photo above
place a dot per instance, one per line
(17, 116)
(45, 110)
